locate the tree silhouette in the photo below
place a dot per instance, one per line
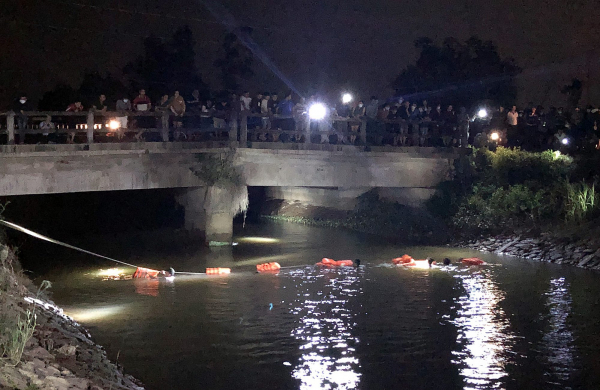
(94, 84)
(58, 98)
(573, 92)
(236, 61)
(167, 66)
(458, 73)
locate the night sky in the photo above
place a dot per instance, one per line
(326, 45)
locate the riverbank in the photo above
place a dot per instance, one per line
(580, 248)
(378, 217)
(41, 347)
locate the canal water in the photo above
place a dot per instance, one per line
(512, 324)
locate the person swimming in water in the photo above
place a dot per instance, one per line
(430, 261)
(357, 262)
(447, 261)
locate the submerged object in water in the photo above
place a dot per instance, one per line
(268, 267)
(325, 262)
(218, 271)
(473, 261)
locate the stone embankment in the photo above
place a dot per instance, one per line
(546, 247)
(43, 349)
(61, 356)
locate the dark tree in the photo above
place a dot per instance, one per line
(236, 60)
(573, 92)
(459, 73)
(58, 98)
(94, 84)
(166, 66)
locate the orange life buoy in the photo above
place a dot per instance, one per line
(473, 261)
(402, 260)
(268, 267)
(325, 262)
(218, 271)
(145, 273)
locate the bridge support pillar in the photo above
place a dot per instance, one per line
(211, 210)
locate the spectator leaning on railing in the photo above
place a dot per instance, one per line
(74, 121)
(100, 104)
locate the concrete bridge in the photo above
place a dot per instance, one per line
(326, 175)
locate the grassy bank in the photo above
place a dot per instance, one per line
(513, 191)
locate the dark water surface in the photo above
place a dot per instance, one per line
(513, 324)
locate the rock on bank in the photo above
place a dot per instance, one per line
(546, 247)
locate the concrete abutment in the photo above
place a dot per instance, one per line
(209, 211)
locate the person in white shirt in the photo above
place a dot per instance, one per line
(512, 120)
(245, 102)
(265, 111)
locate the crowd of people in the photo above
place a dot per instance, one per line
(395, 121)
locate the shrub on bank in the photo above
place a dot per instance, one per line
(510, 188)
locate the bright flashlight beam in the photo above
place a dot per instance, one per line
(495, 136)
(482, 113)
(565, 141)
(317, 111)
(222, 15)
(346, 98)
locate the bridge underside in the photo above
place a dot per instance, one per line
(324, 177)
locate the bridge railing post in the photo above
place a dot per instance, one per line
(243, 131)
(363, 131)
(90, 127)
(165, 126)
(306, 126)
(10, 126)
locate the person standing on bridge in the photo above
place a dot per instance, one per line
(177, 107)
(100, 105)
(74, 107)
(123, 106)
(20, 107)
(142, 103)
(463, 127)
(286, 108)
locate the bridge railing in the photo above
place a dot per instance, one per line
(243, 127)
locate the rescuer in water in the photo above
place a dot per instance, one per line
(357, 263)
(447, 261)
(430, 261)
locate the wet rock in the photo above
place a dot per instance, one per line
(586, 259)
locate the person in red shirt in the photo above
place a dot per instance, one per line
(74, 107)
(142, 104)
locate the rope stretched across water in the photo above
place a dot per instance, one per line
(45, 238)
(42, 237)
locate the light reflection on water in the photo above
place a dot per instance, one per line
(483, 332)
(558, 340)
(325, 328)
(415, 329)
